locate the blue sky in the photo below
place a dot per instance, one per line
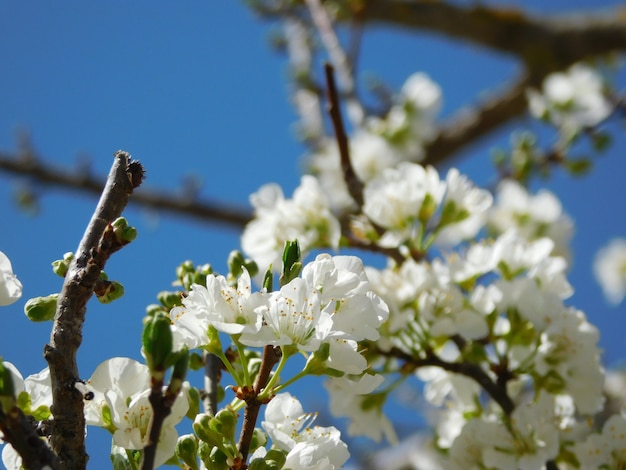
(194, 89)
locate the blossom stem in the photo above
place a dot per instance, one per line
(268, 390)
(244, 362)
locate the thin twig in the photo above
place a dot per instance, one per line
(338, 58)
(68, 430)
(354, 184)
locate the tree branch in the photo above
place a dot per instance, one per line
(19, 432)
(97, 244)
(28, 165)
(470, 125)
(545, 44)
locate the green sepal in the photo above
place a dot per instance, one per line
(187, 450)
(214, 345)
(193, 397)
(275, 459)
(41, 308)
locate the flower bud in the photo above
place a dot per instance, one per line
(292, 262)
(225, 422)
(157, 343)
(187, 449)
(169, 299)
(202, 429)
(41, 308)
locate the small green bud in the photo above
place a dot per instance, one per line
(61, 266)
(124, 233)
(202, 429)
(157, 344)
(108, 291)
(169, 299)
(179, 372)
(187, 449)
(227, 423)
(292, 262)
(275, 459)
(41, 308)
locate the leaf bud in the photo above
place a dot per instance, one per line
(41, 308)
(60, 266)
(124, 233)
(108, 291)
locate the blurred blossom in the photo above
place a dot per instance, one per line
(10, 286)
(571, 100)
(609, 267)
(532, 215)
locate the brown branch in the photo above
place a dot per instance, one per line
(468, 126)
(545, 44)
(28, 165)
(271, 356)
(355, 186)
(18, 430)
(473, 371)
(68, 430)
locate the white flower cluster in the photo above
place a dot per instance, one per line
(330, 303)
(307, 447)
(571, 100)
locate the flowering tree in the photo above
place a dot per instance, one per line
(472, 298)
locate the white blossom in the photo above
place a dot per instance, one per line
(348, 397)
(609, 268)
(10, 286)
(308, 447)
(606, 449)
(121, 389)
(571, 100)
(402, 198)
(231, 310)
(533, 216)
(306, 217)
